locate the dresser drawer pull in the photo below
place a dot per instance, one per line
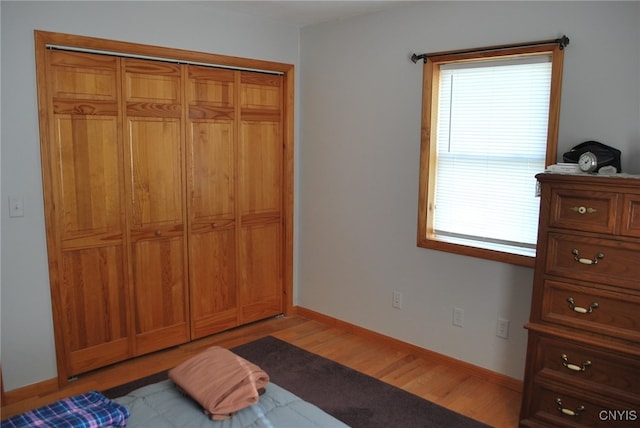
(584, 210)
(568, 412)
(574, 367)
(579, 309)
(576, 257)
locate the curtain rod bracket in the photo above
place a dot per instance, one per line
(416, 57)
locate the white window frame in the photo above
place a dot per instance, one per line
(427, 237)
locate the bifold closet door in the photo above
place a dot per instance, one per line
(211, 137)
(83, 180)
(163, 187)
(235, 177)
(260, 196)
(154, 143)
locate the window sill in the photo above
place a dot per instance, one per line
(495, 252)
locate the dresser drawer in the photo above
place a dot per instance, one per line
(562, 406)
(590, 309)
(591, 259)
(631, 218)
(572, 363)
(583, 210)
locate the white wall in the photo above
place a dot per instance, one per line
(28, 352)
(359, 161)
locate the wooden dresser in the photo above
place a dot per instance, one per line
(583, 356)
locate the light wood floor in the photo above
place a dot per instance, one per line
(463, 392)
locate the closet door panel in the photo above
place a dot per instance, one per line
(155, 155)
(160, 311)
(260, 163)
(212, 239)
(92, 242)
(157, 235)
(90, 174)
(260, 159)
(85, 221)
(95, 316)
(211, 170)
(260, 284)
(261, 92)
(213, 281)
(210, 87)
(83, 76)
(260, 271)
(153, 87)
(212, 206)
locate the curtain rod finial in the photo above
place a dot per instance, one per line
(563, 41)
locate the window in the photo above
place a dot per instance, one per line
(490, 122)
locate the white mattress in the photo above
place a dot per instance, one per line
(161, 405)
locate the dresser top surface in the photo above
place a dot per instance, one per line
(632, 180)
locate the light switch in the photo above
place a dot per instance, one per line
(16, 208)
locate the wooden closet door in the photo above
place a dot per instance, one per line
(155, 188)
(260, 163)
(83, 175)
(211, 164)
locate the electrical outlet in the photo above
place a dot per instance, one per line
(397, 300)
(458, 317)
(502, 328)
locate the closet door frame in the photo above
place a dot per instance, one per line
(45, 40)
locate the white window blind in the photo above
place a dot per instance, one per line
(491, 141)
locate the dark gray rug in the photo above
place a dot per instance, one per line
(356, 399)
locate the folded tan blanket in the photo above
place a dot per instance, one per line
(221, 381)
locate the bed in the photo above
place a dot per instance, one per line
(162, 405)
(214, 389)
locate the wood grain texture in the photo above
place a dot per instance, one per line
(127, 194)
(584, 323)
(260, 195)
(631, 227)
(155, 154)
(86, 231)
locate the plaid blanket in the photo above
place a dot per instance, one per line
(90, 410)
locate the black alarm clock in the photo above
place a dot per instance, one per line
(591, 156)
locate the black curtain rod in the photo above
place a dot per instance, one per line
(563, 42)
